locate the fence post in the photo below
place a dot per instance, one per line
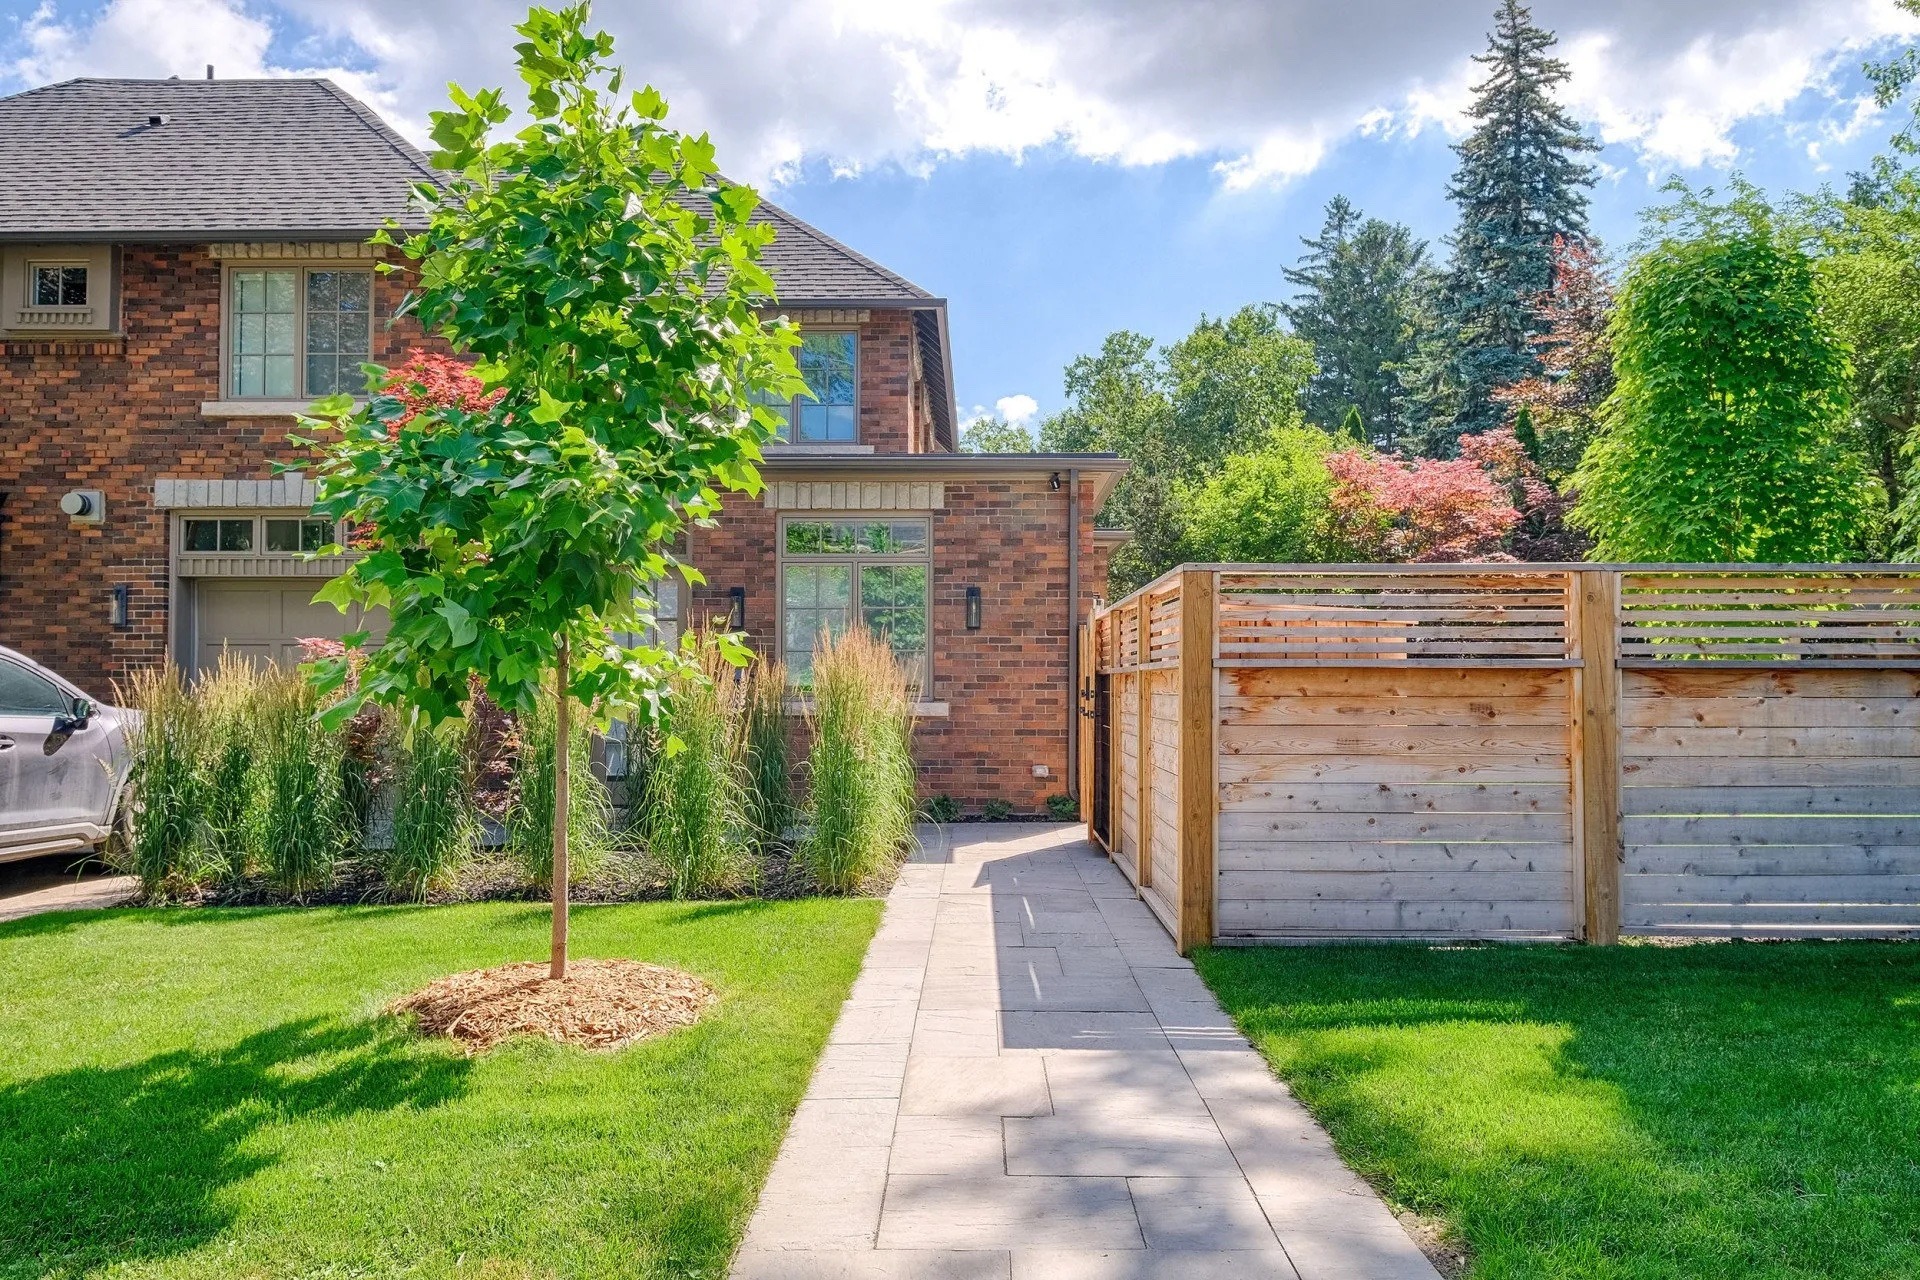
(1143, 743)
(1596, 742)
(1199, 796)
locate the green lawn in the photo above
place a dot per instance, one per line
(214, 1093)
(1728, 1110)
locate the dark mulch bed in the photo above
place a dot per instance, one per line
(601, 1004)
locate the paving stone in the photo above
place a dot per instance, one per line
(1085, 995)
(998, 1212)
(814, 1201)
(968, 1086)
(851, 1122)
(1127, 1264)
(1200, 1213)
(1117, 1144)
(1127, 1081)
(1070, 1031)
(957, 1033)
(1096, 961)
(872, 1264)
(859, 1071)
(930, 1146)
(875, 1021)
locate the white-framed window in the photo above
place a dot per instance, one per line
(295, 333)
(57, 284)
(829, 411)
(255, 535)
(839, 570)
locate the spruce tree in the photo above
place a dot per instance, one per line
(1359, 282)
(1520, 184)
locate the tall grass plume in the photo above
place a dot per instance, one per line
(696, 805)
(298, 823)
(861, 782)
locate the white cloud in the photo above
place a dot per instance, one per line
(1017, 409)
(1262, 90)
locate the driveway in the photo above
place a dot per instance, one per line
(33, 885)
(1027, 1083)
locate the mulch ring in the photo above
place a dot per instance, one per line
(602, 1004)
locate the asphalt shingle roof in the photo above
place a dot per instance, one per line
(234, 158)
(279, 157)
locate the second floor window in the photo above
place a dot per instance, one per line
(58, 285)
(295, 333)
(826, 414)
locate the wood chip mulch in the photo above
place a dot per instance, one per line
(602, 1004)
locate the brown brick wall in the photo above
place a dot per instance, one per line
(114, 416)
(886, 382)
(1005, 684)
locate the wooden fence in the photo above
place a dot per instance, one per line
(1510, 751)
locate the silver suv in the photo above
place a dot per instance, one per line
(63, 762)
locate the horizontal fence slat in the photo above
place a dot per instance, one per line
(1810, 743)
(1376, 797)
(1422, 710)
(1234, 825)
(1406, 886)
(1795, 829)
(1731, 801)
(1486, 859)
(1772, 859)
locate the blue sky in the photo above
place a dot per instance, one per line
(1058, 169)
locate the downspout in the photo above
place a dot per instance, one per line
(1073, 631)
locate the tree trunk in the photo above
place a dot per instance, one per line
(562, 786)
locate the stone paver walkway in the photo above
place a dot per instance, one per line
(1027, 1083)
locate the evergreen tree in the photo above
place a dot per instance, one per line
(1359, 281)
(1520, 185)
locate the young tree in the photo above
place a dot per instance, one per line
(1520, 186)
(1540, 530)
(606, 283)
(1724, 439)
(1266, 504)
(1359, 283)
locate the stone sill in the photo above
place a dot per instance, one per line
(817, 450)
(259, 408)
(921, 710)
(64, 344)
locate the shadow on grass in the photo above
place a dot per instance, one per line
(118, 1164)
(1616, 1112)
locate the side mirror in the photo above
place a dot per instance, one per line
(76, 718)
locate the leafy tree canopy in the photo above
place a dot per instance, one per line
(1724, 439)
(1266, 504)
(1359, 305)
(605, 283)
(1176, 412)
(995, 435)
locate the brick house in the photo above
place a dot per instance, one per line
(183, 266)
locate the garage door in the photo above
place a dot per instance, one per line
(267, 618)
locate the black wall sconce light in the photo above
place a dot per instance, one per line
(1053, 482)
(736, 608)
(117, 612)
(973, 608)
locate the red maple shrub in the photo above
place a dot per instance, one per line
(428, 380)
(1390, 509)
(1540, 531)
